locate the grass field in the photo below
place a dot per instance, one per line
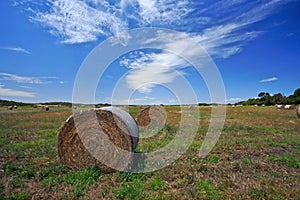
(256, 157)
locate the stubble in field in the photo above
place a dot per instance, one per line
(257, 156)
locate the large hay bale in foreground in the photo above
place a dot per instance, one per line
(153, 116)
(89, 138)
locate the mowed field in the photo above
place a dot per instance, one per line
(256, 157)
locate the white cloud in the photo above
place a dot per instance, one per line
(234, 100)
(173, 101)
(20, 79)
(28, 79)
(269, 79)
(222, 27)
(163, 11)
(76, 21)
(146, 100)
(26, 87)
(143, 100)
(148, 70)
(17, 49)
(151, 69)
(14, 93)
(224, 40)
(236, 16)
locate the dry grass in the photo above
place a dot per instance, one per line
(256, 157)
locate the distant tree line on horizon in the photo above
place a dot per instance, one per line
(264, 98)
(10, 103)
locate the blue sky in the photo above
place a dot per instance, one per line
(254, 44)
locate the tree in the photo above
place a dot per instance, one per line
(277, 98)
(264, 98)
(267, 99)
(261, 94)
(297, 92)
(295, 98)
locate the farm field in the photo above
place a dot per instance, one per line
(256, 157)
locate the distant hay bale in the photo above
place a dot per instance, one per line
(45, 108)
(153, 116)
(298, 112)
(74, 154)
(289, 107)
(280, 106)
(10, 107)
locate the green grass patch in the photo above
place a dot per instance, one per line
(196, 145)
(132, 190)
(205, 190)
(79, 179)
(1, 187)
(246, 160)
(156, 185)
(85, 177)
(129, 177)
(159, 140)
(17, 196)
(265, 193)
(51, 170)
(212, 159)
(291, 161)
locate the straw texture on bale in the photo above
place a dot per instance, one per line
(153, 116)
(129, 121)
(74, 150)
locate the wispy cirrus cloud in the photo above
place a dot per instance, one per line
(234, 100)
(162, 12)
(26, 87)
(17, 49)
(150, 69)
(75, 21)
(26, 79)
(14, 93)
(20, 79)
(230, 29)
(78, 21)
(222, 27)
(269, 79)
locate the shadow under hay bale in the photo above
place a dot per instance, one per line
(98, 136)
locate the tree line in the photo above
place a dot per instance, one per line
(264, 98)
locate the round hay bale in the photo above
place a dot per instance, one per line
(88, 141)
(289, 107)
(298, 112)
(153, 116)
